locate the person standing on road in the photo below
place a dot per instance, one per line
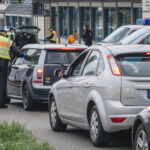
(6, 47)
(10, 34)
(87, 35)
(52, 36)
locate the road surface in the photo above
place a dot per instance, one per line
(73, 139)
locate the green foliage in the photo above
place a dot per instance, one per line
(16, 137)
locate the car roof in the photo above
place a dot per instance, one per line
(123, 49)
(135, 26)
(55, 46)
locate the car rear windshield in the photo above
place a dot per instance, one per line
(62, 57)
(117, 35)
(136, 65)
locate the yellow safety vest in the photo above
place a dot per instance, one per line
(5, 44)
(54, 38)
(9, 33)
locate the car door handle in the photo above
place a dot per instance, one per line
(86, 85)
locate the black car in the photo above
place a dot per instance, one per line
(141, 131)
(31, 80)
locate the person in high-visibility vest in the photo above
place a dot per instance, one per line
(52, 38)
(6, 47)
(10, 34)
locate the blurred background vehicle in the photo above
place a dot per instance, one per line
(26, 35)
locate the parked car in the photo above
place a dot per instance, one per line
(141, 130)
(119, 34)
(103, 91)
(26, 35)
(32, 79)
(141, 36)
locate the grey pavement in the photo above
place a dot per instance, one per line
(37, 121)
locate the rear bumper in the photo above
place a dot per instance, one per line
(115, 109)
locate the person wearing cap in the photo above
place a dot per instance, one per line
(6, 47)
(10, 34)
(52, 36)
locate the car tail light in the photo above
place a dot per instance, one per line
(40, 73)
(147, 53)
(118, 120)
(113, 65)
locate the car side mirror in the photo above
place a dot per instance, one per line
(59, 73)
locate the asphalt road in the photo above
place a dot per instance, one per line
(73, 139)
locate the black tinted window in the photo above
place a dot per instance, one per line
(62, 57)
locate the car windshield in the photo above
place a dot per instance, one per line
(116, 36)
(137, 65)
(33, 54)
(62, 57)
(134, 36)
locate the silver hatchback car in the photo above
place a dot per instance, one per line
(103, 91)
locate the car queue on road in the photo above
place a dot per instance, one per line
(103, 89)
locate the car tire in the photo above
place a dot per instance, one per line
(28, 103)
(8, 100)
(141, 139)
(98, 136)
(55, 121)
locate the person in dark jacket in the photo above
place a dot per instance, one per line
(87, 35)
(6, 47)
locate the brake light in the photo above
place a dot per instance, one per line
(147, 53)
(118, 120)
(113, 65)
(40, 73)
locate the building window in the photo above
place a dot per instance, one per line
(54, 16)
(73, 20)
(63, 21)
(124, 16)
(14, 21)
(97, 22)
(28, 21)
(85, 17)
(21, 21)
(110, 20)
(137, 12)
(8, 21)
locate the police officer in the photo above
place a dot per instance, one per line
(87, 35)
(52, 36)
(6, 47)
(10, 34)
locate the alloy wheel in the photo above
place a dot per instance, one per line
(53, 113)
(94, 125)
(142, 141)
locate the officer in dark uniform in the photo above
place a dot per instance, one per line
(6, 47)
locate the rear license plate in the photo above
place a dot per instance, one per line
(148, 94)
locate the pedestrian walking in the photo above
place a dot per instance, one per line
(52, 36)
(87, 35)
(6, 47)
(10, 34)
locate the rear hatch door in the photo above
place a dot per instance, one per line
(135, 70)
(55, 59)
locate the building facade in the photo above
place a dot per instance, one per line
(103, 16)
